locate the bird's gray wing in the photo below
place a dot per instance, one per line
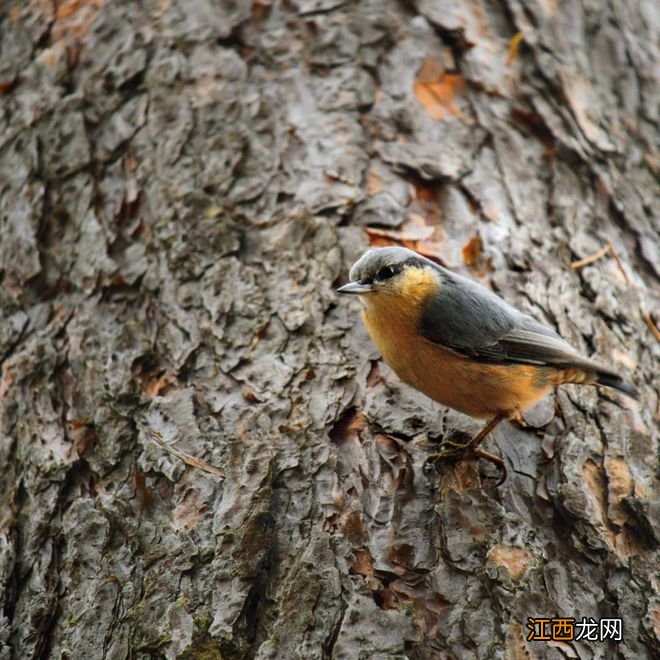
(467, 318)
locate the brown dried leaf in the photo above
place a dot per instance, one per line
(439, 92)
(472, 251)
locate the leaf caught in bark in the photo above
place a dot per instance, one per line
(472, 251)
(514, 47)
(439, 92)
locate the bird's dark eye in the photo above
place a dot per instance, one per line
(386, 272)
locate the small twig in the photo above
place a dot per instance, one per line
(594, 257)
(652, 326)
(157, 437)
(601, 253)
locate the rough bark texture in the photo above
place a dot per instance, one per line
(183, 184)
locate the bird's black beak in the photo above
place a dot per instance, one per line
(355, 287)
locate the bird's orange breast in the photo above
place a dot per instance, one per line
(475, 388)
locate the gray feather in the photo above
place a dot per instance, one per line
(469, 319)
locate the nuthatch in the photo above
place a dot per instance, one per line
(462, 345)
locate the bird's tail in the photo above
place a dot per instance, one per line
(611, 379)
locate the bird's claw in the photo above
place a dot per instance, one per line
(454, 450)
(458, 450)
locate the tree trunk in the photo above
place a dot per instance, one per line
(183, 184)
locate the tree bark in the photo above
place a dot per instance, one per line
(182, 187)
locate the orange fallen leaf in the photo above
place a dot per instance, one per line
(472, 251)
(438, 91)
(514, 47)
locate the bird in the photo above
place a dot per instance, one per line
(462, 345)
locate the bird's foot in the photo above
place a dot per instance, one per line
(453, 451)
(495, 460)
(449, 450)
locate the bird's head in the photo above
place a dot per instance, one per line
(391, 272)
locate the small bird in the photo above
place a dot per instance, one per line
(463, 346)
